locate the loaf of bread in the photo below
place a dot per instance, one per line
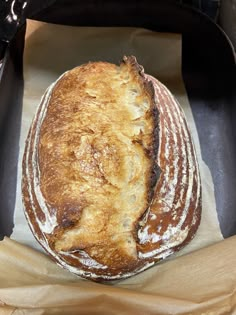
(110, 179)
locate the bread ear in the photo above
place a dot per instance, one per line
(174, 214)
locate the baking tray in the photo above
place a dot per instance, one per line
(208, 68)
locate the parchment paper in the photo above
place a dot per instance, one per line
(200, 283)
(50, 50)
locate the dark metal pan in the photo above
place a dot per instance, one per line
(208, 67)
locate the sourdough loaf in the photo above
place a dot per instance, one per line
(110, 178)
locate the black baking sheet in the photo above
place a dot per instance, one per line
(208, 70)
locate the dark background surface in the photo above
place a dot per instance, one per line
(208, 70)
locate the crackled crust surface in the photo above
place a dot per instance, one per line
(110, 178)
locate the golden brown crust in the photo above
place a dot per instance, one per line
(108, 149)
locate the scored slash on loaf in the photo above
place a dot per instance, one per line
(110, 179)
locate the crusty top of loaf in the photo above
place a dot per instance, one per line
(91, 171)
